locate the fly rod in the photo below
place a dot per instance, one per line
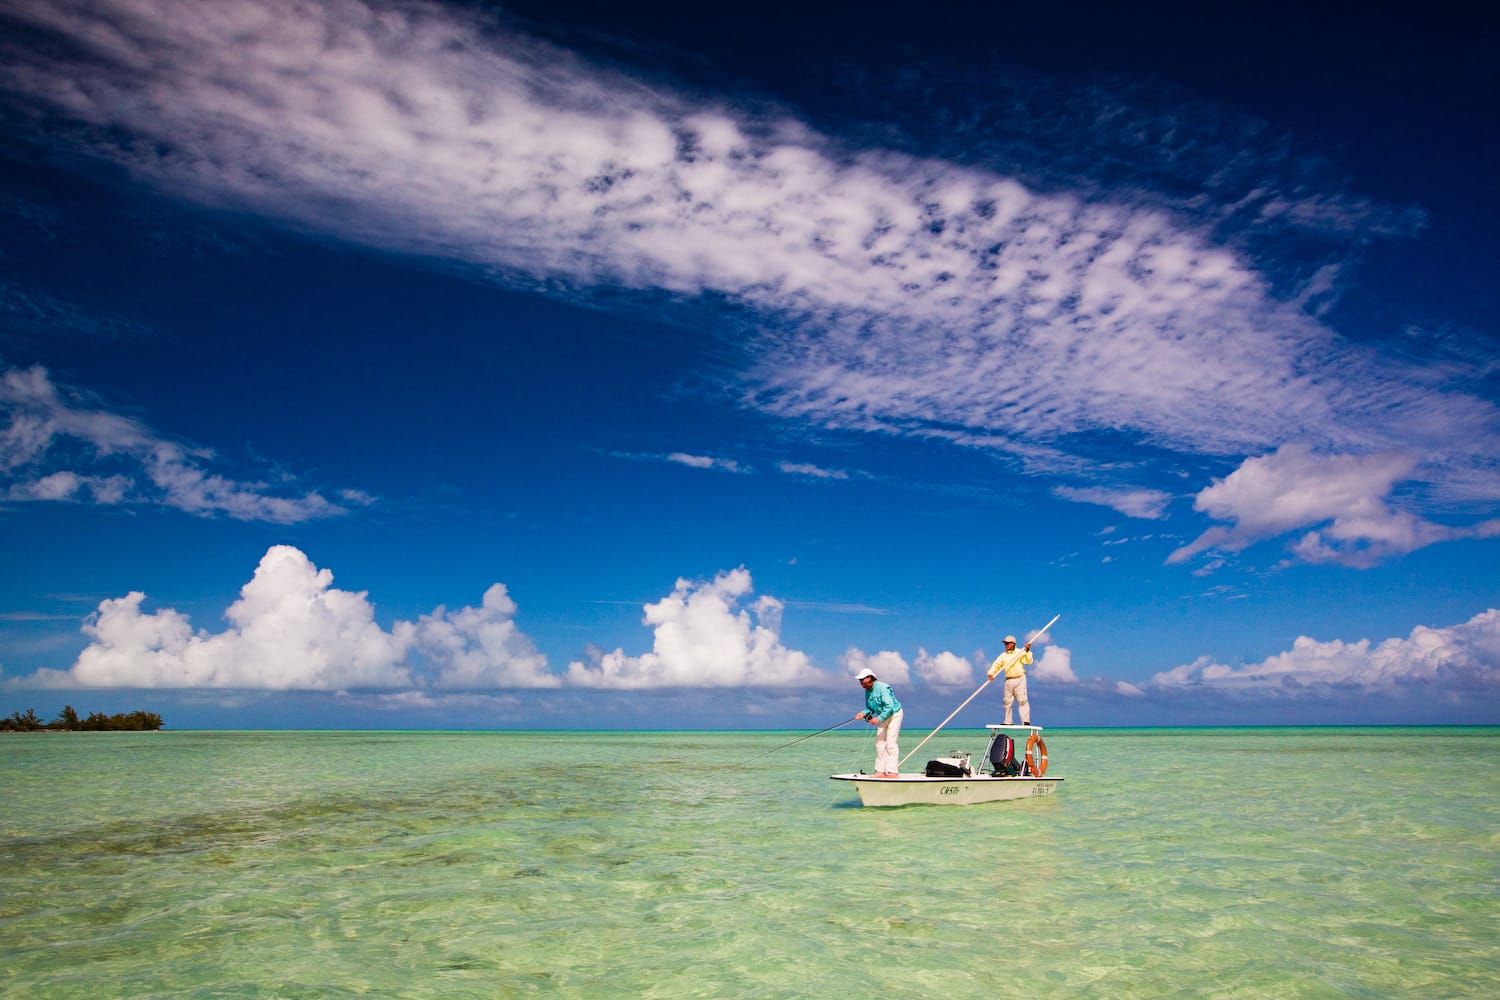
(971, 697)
(799, 739)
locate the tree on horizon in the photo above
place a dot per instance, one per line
(67, 721)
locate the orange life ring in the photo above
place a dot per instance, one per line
(1036, 766)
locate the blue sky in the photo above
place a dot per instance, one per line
(569, 365)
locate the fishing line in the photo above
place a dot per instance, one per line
(866, 746)
(861, 751)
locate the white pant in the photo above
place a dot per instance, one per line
(1015, 690)
(887, 754)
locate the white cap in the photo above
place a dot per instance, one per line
(1010, 638)
(867, 672)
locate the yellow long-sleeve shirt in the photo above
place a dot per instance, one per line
(1012, 664)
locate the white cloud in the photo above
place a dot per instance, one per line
(891, 292)
(835, 608)
(812, 471)
(704, 462)
(1145, 504)
(292, 630)
(889, 666)
(1342, 498)
(944, 669)
(289, 630)
(70, 486)
(1457, 656)
(1055, 665)
(43, 429)
(704, 637)
(482, 647)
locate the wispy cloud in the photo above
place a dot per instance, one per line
(1147, 504)
(688, 459)
(838, 609)
(811, 471)
(894, 292)
(704, 462)
(54, 447)
(41, 315)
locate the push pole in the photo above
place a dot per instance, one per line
(971, 697)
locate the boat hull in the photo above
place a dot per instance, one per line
(918, 789)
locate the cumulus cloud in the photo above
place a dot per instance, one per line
(1341, 498)
(483, 647)
(705, 637)
(289, 630)
(292, 630)
(944, 669)
(1055, 665)
(890, 292)
(1465, 656)
(129, 463)
(888, 665)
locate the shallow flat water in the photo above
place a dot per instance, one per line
(1210, 862)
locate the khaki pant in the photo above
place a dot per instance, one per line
(1015, 690)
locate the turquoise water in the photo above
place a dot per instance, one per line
(1211, 863)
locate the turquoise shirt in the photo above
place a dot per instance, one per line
(880, 701)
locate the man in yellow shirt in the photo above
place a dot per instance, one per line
(1013, 663)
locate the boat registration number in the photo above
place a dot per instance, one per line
(1035, 790)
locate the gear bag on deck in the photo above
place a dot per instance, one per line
(955, 765)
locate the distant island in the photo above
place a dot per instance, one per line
(67, 721)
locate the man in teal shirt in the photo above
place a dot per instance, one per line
(882, 711)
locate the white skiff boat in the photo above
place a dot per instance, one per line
(952, 781)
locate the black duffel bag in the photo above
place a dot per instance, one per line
(943, 769)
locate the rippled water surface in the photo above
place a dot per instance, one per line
(1209, 862)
